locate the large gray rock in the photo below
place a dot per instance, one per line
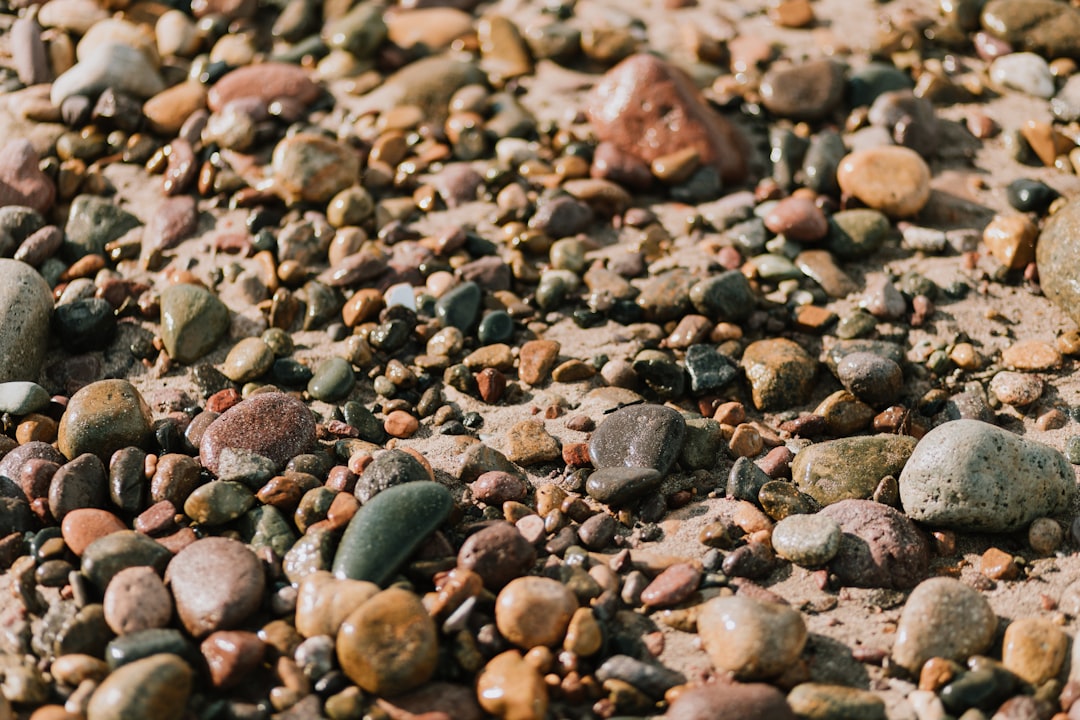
(1057, 255)
(25, 310)
(970, 475)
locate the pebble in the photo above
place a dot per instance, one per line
(157, 686)
(798, 219)
(25, 310)
(943, 618)
(1056, 253)
(1018, 389)
(781, 373)
(495, 488)
(218, 502)
(231, 655)
(835, 702)
(510, 687)
(729, 701)
(22, 183)
(498, 554)
(385, 531)
(387, 469)
(249, 359)
(137, 599)
(105, 557)
(1041, 26)
(857, 233)
(193, 322)
(875, 380)
(312, 168)
(1032, 196)
(333, 380)
(639, 436)
(880, 546)
(1034, 648)
(970, 475)
(807, 540)
(267, 82)
(673, 586)
(619, 486)
(534, 611)
(751, 639)
(217, 583)
(807, 91)
(633, 107)
(892, 179)
(324, 601)
(22, 397)
(389, 644)
(274, 425)
(724, 297)
(1031, 356)
(909, 119)
(1011, 240)
(102, 418)
(529, 443)
(122, 68)
(1023, 71)
(82, 526)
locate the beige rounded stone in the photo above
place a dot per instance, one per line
(892, 179)
(1035, 648)
(1011, 240)
(533, 611)
(752, 640)
(323, 602)
(583, 636)
(943, 618)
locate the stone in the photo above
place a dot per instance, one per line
(274, 425)
(880, 547)
(892, 179)
(1056, 255)
(428, 84)
(26, 308)
(193, 321)
(724, 297)
(104, 417)
(818, 701)
(312, 168)
(385, 531)
(122, 68)
(648, 109)
(873, 379)
(849, 467)
(1031, 356)
(808, 540)
(672, 586)
(231, 655)
(798, 219)
(78, 484)
(856, 233)
(157, 686)
(808, 91)
(105, 557)
(324, 601)
(387, 469)
(943, 618)
(389, 644)
(266, 82)
(1011, 240)
(498, 554)
(218, 502)
(333, 380)
(249, 359)
(780, 372)
(639, 436)
(751, 639)
(217, 583)
(618, 486)
(167, 111)
(729, 701)
(1035, 649)
(511, 687)
(82, 526)
(1015, 388)
(22, 183)
(970, 475)
(137, 599)
(529, 443)
(175, 220)
(1023, 71)
(909, 119)
(1042, 26)
(533, 611)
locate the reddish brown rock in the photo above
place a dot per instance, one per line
(798, 219)
(672, 586)
(266, 82)
(498, 554)
(650, 109)
(216, 584)
(734, 701)
(274, 425)
(230, 655)
(880, 546)
(536, 360)
(21, 180)
(85, 525)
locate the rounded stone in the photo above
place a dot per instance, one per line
(943, 618)
(730, 701)
(807, 540)
(752, 640)
(974, 476)
(1034, 648)
(83, 526)
(1016, 388)
(274, 425)
(193, 321)
(851, 467)
(620, 485)
(880, 547)
(157, 686)
(249, 359)
(137, 599)
(216, 583)
(780, 372)
(498, 554)
(892, 179)
(312, 168)
(874, 379)
(218, 502)
(26, 308)
(640, 436)
(798, 219)
(104, 417)
(818, 700)
(387, 469)
(333, 380)
(533, 611)
(389, 645)
(807, 91)
(324, 601)
(510, 687)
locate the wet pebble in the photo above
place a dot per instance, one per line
(510, 687)
(807, 91)
(906, 190)
(137, 599)
(157, 686)
(104, 417)
(333, 380)
(193, 321)
(231, 655)
(218, 502)
(752, 640)
(781, 373)
(641, 436)
(532, 611)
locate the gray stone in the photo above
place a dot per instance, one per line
(1057, 255)
(620, 485)
(92, 223)
(970, 475)
(120, 67)
(26, 307)
(639, 436)
(943, 617)
(193, 321)
(808, 540)
(387, 469)
(20, 397)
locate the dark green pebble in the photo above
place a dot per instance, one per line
(290, 373)
(144, 643)
(333, 380)
(85, 325)
(459, 306)
(497, 326)
(365, 422)
(1030, 195)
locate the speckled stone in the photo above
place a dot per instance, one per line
(880, 547)
(385, 531)
(943, 617)
(389, 644)
(103, 417)
(752, 640)
(529, 443)
(26, 307)
(312, 168)
(274, 425)
(808, 540)
(154, 687)
(193, 321)
(970, 475)
(850, 467)
(780, 372)
(1034, 648)
(640, 436)
(387, 469)
(137, 599)
(216, 583)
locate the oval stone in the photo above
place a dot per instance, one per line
(216, 584)
(104, 417)
(266, 82)
(945, 618)
(849, 467)
(640, 436)
(892, 179)
(880, 546)
(193, 321)
(26, 307)
(751, 639)
(154, 687)
(312, 168)
(1057, 255)
(274, 425)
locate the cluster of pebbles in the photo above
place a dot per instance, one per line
(453, 360)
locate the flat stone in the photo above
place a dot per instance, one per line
(640, 436)
(850, 467)
(780, 372)
(26, 307)
(818, 701)
(384, 532)
(106, 556)
(649, 109)
(266, 82)
(892, 179)
(193, 321)
(157, 686)
(529, 443)
(730, 701)
(620, 485)
(750, 639)
(389, 644)
(880, 546)
(104, 417)
(973, 476)
(274, 425)
(217, 583)
(943, 618)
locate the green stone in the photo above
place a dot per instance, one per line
(193, 321)
(218, 502)
(849, 467)
(265, 526)
(106, 556)
(92, 223)
(333, 380)
(856, 233)
(385, 532)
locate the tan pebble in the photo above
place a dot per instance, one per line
(730, 413)
(362, 307)
(748, 517)
(813, 319)
(751, 639)
(35, 427)
(1045, 141)
(532, 611)
(573, 371)
(937, 672)
(792, 13)
(1034, 648)
(1068, 342)
(72, 669)
(1011, 239)
(583, 636)
(137, 599)
(167, 111)
(324, 601)
(671, 587)
(510, 688)
(1045, 536)
(1052, 419)
(892, 179)
(997, 564)
(966, 356)
(529, 443)
(746, 441)
(1031, 356)
(401, 424)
